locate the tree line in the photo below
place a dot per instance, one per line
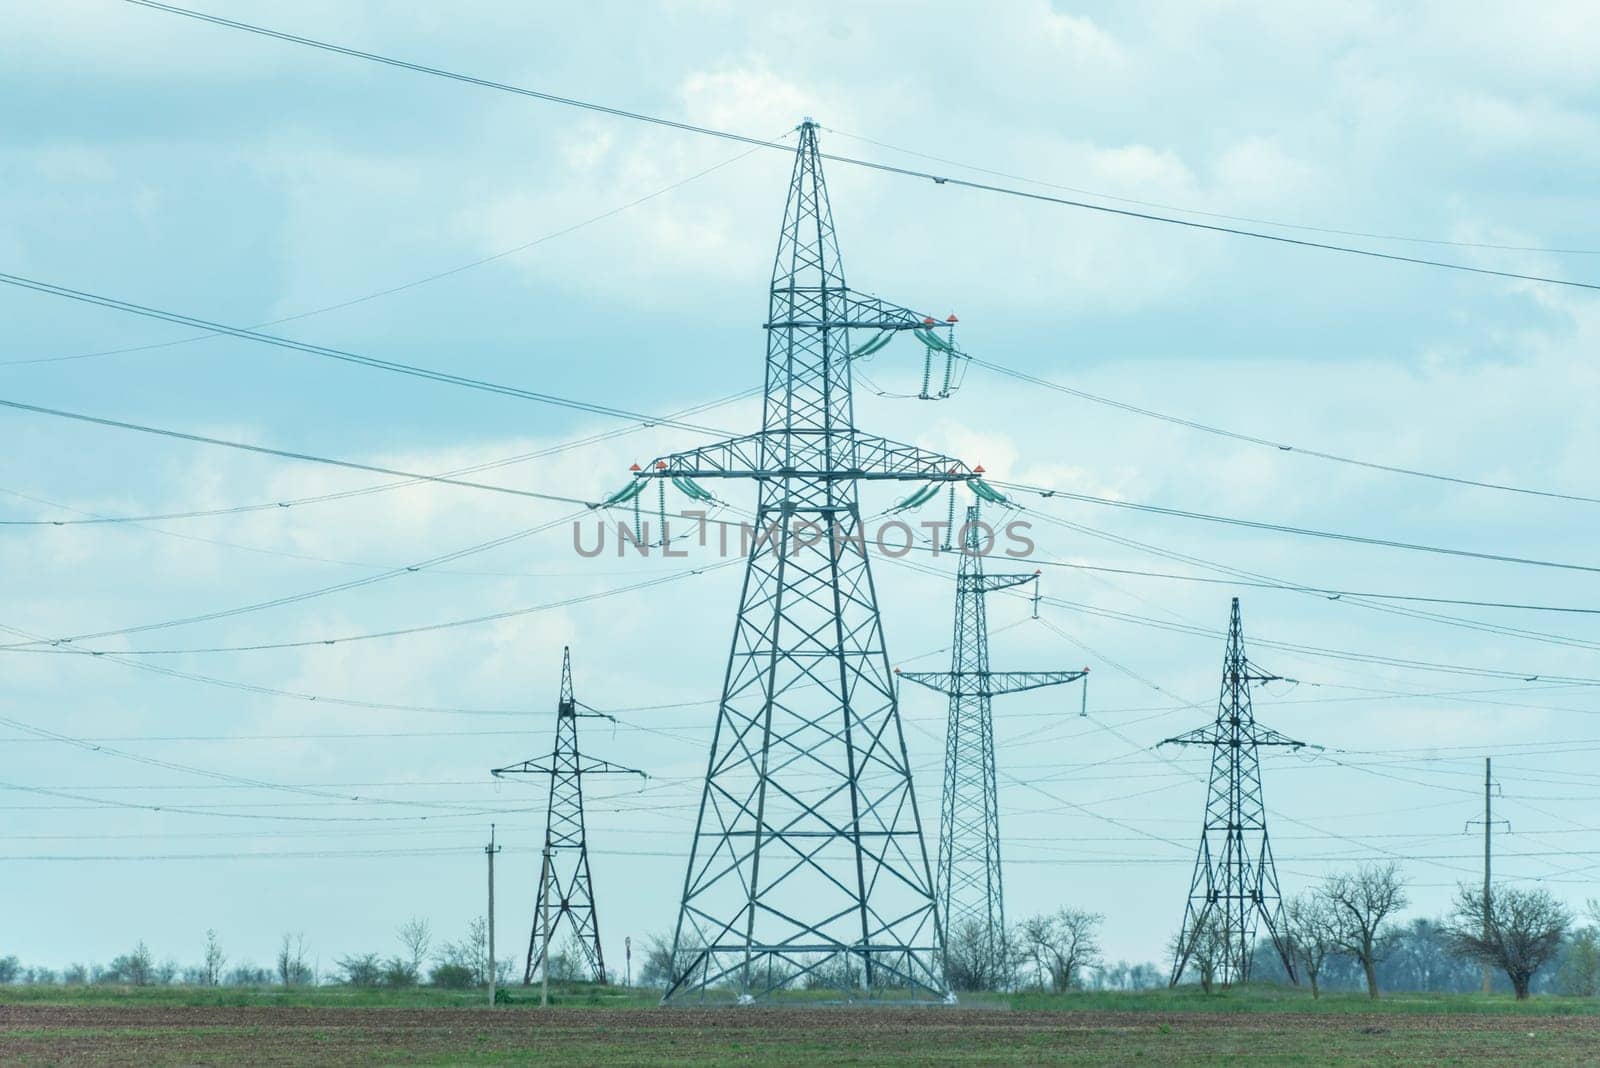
(1344, 934)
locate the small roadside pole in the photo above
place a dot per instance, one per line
(491, 849)
(627, 953)
(1489, 786)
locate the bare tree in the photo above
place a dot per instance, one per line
(1516, 931)
(974, 961)
(1359, 905)
(293, 970)
(211, 971)
(1579, 975)
(361, 969)
(1062, 945)
(1310, 932)
(1208, 946)
(416, 937)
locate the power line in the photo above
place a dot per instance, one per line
(1217, 214)
(342, 355)
(884, 168)
(1281, 528)
(447, 477)
(345, 639)
(213, 810)
(402, 287)
(271, 691)
(1361, 600)
(201, 439)
(295, 598)
(1295, 587)
(1319, 651)
(1277, 446)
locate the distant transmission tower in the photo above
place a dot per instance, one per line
(970, 892)
(808, 861)
(565, 887)
(1235, 885)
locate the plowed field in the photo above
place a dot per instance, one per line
(181, 1035)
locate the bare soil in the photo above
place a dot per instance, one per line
(193, 1035)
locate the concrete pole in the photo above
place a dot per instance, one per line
(1488, 829)
(491, 849)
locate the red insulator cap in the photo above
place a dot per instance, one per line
(951, 318)
(978, 470)
(633, 467)
(661, 465)
(927, 320)
(897, 671)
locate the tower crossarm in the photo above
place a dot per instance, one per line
(829, 455)
(983, 583)
(588, 766)
(1216, 734)
(989, 683)
(855, 311)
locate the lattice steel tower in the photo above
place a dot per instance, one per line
(564, 882)
(970, 891)
(1234, 889)
(808, 859)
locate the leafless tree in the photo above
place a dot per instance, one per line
(974, 961)
(1062, 945)
(211, 971)
(1310, 934)
(417, 937)
(1517, 931)
(1208, 947)
(293, 969)
(1359, 905)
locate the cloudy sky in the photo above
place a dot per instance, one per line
(161, 161)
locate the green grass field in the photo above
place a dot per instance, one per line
(334, 1025)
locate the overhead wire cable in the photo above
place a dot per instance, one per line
(1276, 446)
(404, 286)
(1335, 231)
(885, 168)
(343, 355)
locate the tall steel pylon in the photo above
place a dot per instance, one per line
(808, 862)
(564, 881)
(1234, 889)
(970, 890)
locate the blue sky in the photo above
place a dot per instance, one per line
(237, 179)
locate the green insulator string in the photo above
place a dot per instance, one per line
(952, 523)
(661, 509)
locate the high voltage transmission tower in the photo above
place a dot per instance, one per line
(970, 890)
(1234, 889)
(808, 860)
(564, 881)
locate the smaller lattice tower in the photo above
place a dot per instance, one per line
(969, 888)
(1234, 890)
(566, 889)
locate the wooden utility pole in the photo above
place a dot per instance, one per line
(491, 849)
